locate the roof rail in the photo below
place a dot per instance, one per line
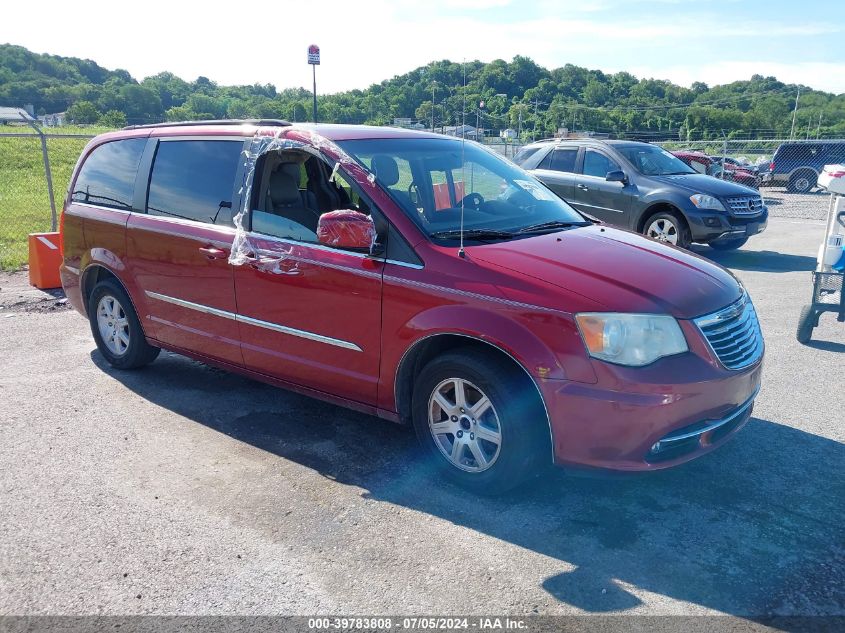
(276, 122)
(559, 139)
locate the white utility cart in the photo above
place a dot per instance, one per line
(828, 295)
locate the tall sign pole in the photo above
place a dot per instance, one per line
(314, 60)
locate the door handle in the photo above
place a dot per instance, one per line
(583, 187)
(212, 252)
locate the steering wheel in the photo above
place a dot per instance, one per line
(473, 200)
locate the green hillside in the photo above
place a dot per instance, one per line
(544, 100)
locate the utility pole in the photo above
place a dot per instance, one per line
(794, 112)
(536, 108)
(432, 105)
(819, 127)
(519, 131)
(478, 118)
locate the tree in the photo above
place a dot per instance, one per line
(83, 112)
(570, 96)
(180, 113)
(596, 93)
(113, 118)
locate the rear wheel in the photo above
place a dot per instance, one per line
(802, 181)
(116, 328)
(481, 421)
(729, 245)
(806, 322)
(667, 227)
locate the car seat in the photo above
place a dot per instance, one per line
(326, 194)
(287, 200)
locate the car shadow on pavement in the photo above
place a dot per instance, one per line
(762, 261)
(753, 529)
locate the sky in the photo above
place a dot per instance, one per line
(366, 41)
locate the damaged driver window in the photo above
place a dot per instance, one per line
(293, 190)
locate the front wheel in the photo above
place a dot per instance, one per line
(116, 328)
(806, 322)
(729, 245)
(481, 421)
(667, 227)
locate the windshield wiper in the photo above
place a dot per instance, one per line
(679, 173)
(551, 225)
(473, 234)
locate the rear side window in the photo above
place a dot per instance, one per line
(597, 164)
(194, 180)
(560, 160)
(525, 153)
(107, 177)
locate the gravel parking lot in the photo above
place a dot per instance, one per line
(183, 489)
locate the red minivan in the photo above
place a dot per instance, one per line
(414, 277)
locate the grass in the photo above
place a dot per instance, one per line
(24, 202)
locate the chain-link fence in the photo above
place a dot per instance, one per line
(785, 171)
(24, 197)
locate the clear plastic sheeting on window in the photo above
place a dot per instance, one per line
(246, 247)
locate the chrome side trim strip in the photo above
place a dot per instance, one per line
(403, 264)
(715, 424)
(71, 269)
(223, 314)
(328, 340)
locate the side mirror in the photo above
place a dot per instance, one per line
(616, 176)
(346, 228)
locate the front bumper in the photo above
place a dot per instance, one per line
(712, 226)
(661, 420)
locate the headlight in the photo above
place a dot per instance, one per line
(703, 201)
(630, 339)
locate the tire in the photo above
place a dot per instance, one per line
(806, 322)
(802, 182)
(668, 227)
(729, 245)
(515, 418)
(128, 349)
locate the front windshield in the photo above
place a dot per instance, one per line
(651, 160)
(430, 178)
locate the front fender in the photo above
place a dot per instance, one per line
(657, 198)
(491, 327)
(546, 344)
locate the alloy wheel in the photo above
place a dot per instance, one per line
(663, 230)
(113, 325)
(802, 184)
(464, 425)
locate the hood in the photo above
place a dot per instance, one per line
(623, 271)
(699, 183)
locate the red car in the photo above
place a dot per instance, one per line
(509, 330)
(705, 164)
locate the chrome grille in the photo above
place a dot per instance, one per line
(734, 334)
(745, 205)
